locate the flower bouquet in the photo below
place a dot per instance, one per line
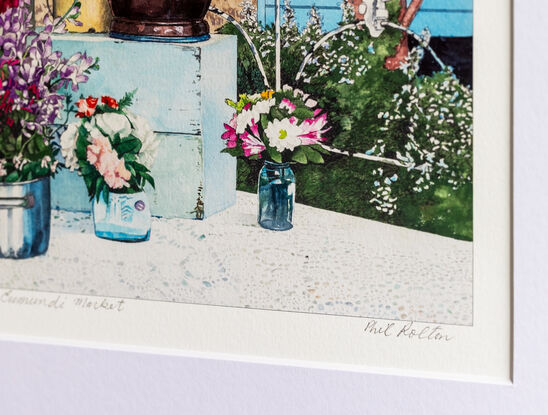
(280, 127)
(33, 77)
(113, 150)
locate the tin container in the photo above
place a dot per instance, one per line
(25, 218)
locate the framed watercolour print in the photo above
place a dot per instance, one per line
(291, 182)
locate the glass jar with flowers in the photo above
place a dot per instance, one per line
(282, 128)
(33, 77)
(113, 149)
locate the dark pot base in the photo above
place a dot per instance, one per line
(175, 31)
(140, 38)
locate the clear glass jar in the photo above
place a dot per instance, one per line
(276, 192)
(126, 217)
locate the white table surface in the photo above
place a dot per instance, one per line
(328, 263)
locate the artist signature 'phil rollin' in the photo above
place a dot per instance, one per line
(6, 102)
(409, 330)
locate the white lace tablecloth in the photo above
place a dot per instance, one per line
(329, 263)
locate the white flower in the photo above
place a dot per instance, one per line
(243, 120)
(3, 170)
(310, 103)
(142, 131)
(284, 135)
(253, 114)
(45, 162)
(68, 146)
(19, 162)
(112, 123)
(263, 107)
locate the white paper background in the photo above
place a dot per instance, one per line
(44, 379)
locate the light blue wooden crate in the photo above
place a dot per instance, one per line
(181, 91)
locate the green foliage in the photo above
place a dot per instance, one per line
(24, 157)
(423, 122)
(127, 100)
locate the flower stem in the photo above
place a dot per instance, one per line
(66, 13)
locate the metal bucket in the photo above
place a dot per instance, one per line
(25, 218)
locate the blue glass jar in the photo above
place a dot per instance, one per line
(126, 217)
(276, 196)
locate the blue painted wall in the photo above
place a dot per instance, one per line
(453, 18)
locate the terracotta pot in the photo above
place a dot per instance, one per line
(149, 19)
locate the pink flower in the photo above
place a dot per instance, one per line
(230, 133)
(96, 151)
(288, 105)
(313, 129)
(119, 176)
(251, 143)
(101, 155)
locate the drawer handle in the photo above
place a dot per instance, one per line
(26, 202)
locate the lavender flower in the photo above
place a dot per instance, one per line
(33, 77)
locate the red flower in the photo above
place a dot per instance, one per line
(86, 107)
(111, 102)
(8, 4)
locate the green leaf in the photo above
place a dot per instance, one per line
(86, 169)
(274, 154)
(100, 187)
(131, 170)
(320, 149)
(277, 114)
(264, 121)
(128, 157)
(299, 156)
(131, 145)
(235, 152)
(139, 167)
(12, 177)
(127, 100)
(303, 113)
(149, 179)
(312, 155)
(231, 103)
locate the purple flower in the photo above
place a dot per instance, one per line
(33, 75)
